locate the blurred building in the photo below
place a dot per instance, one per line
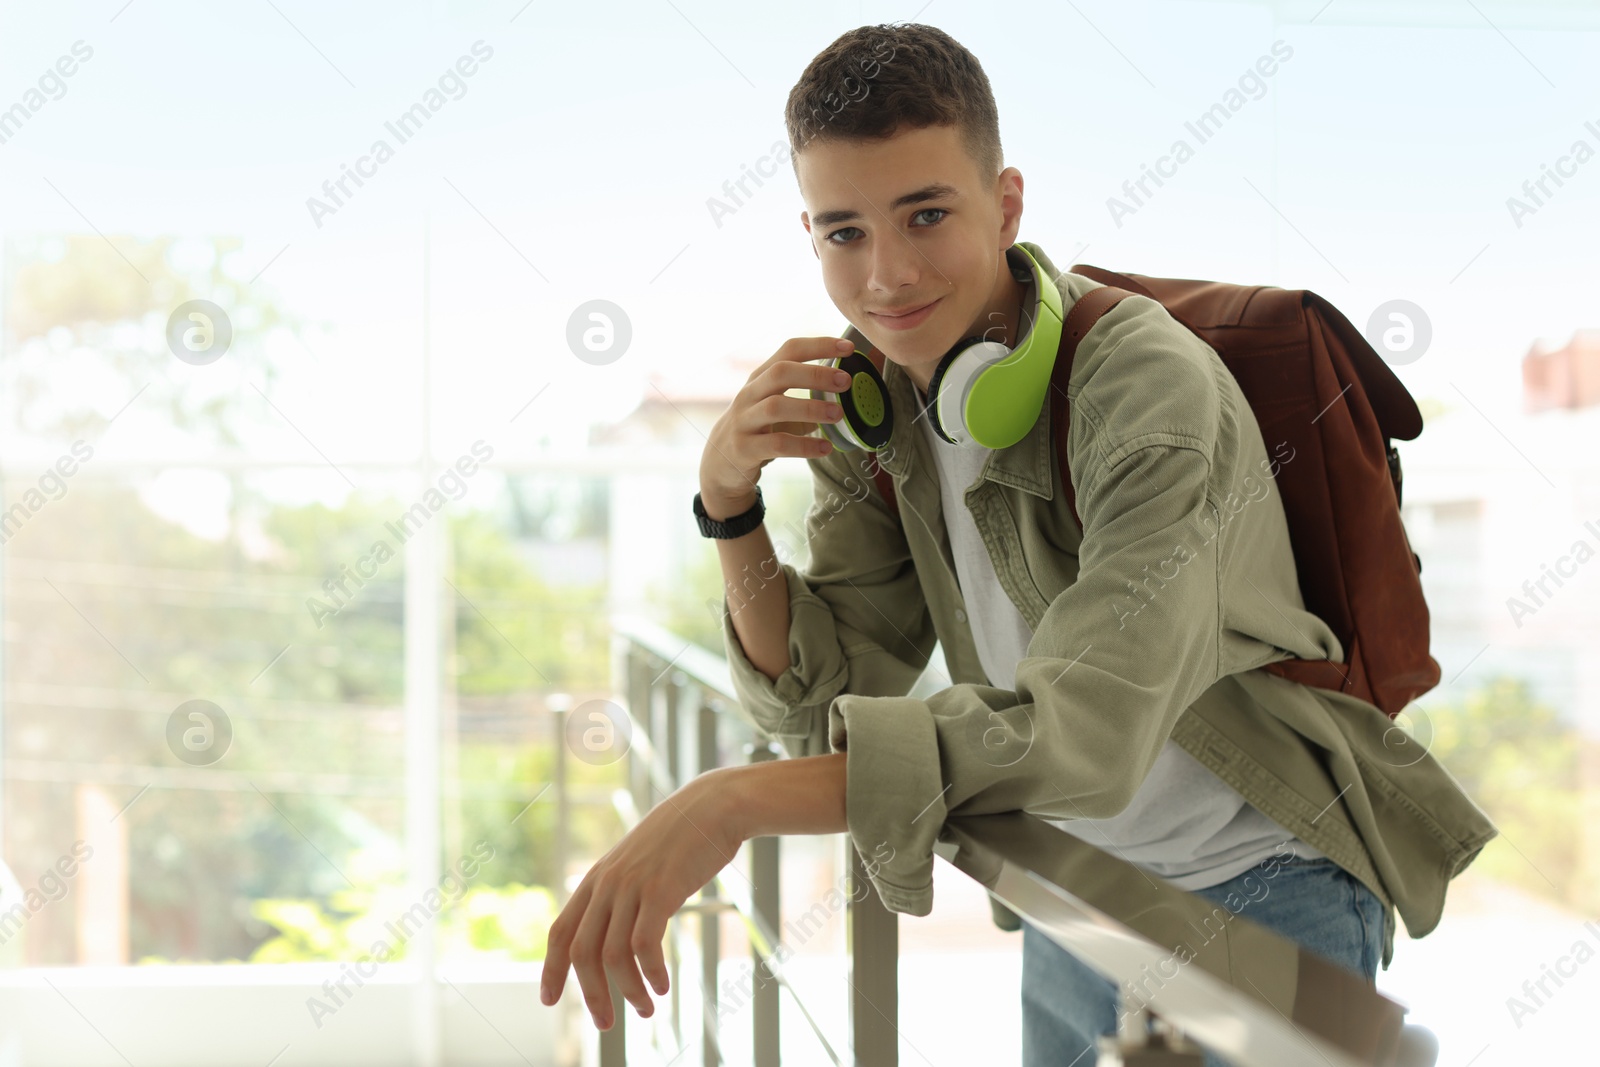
(654, 457)
(1567, 377)
(1505, 515)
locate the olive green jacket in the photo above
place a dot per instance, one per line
(1148, 624)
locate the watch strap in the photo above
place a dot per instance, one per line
(734, 525)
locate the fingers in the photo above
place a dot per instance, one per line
(603, 946)
(586, 948)
(607, 936)
(808, 348)
(798, 429)
(782, 444)
(558, 945)
(649, 928)
(800, 375)
(764, 423)
(791, 367)
(804, 411)
(617, 955)
(627, 933)
(793, 439)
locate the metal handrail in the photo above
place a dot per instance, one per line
(1250, 995)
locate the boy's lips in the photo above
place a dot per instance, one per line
(913, 316)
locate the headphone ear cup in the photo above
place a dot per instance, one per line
(935, 382)
(868, 414)
(841, 440)
(839, 434)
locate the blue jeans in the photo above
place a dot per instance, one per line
(1313, 902)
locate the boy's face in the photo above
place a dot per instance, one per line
(905, 222)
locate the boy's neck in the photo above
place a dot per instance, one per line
(1003, 312)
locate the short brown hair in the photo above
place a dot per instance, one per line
(874, 80)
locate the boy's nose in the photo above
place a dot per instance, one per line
(896, 264)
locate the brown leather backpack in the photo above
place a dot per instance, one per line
(1314, 382)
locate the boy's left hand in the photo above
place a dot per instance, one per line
(616, 919)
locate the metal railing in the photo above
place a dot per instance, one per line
(1251, 996)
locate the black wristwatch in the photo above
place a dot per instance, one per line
(733, 525)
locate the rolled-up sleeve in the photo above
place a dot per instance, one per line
(858, 620)
(1109, 669)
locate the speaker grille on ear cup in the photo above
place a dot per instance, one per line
(868, 399)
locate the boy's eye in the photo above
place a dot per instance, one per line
(939, 211)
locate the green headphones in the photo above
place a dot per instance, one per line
(982, 393)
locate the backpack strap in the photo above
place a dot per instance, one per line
(1080, 320)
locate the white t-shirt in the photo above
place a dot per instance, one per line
(1184, 823)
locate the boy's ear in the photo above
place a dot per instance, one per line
(805, 220)
(1010, 205)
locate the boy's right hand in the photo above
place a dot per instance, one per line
(764, 423)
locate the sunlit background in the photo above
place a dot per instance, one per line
(385, 531)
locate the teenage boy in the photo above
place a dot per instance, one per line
(1105, 678)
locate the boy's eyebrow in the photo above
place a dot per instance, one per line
(936, 191)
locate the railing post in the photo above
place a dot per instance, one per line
(874, 939)
(710, 918)
(559, 704)
(614, 1042)
(1144, 1040)
(766, 902)
(678, 713)
(640, 698)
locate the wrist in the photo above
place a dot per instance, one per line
(722, 507)
(723, 795)
(782, 796)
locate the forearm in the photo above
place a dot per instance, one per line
(757, 591)
(786, 796)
